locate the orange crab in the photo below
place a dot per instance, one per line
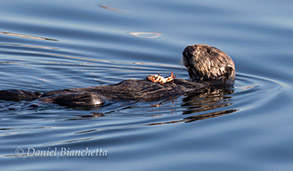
(159, 79)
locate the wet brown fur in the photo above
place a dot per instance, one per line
(207, 66)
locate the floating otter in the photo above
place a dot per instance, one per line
(207, 67)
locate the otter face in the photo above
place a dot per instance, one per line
(208, 64)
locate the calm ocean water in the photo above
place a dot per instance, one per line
(58, 44)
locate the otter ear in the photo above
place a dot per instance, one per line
(229, 71)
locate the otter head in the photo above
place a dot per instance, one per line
(208, 64)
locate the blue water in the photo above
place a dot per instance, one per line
(58, 44)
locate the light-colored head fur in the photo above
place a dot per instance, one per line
(208, 64)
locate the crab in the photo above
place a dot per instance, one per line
(159, 79)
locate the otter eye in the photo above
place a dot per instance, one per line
(210, 51)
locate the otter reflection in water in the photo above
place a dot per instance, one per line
(199, 106)
(207, 67)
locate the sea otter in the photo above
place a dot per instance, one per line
(207, 67)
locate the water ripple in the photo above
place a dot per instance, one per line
(53, 45)
(27, 36)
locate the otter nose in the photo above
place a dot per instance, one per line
(188, 51)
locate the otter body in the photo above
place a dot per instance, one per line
(207, 66)
(128, 90)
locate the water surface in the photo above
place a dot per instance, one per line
(50, 45)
